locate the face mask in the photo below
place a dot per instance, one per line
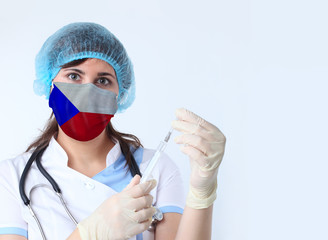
(82, 110)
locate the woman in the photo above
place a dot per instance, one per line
(87, 76)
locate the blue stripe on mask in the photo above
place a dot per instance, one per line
(63, 109)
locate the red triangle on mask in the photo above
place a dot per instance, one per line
(86, 126)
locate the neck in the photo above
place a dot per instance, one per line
(87, 157)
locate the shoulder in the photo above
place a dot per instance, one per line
(165, 162)
(17, 161)
(12, 168)
(165, 170)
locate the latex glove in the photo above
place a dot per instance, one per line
(204, 144)
(121, 216)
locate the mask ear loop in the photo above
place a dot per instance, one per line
(51, 87)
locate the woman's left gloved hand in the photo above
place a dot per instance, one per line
(204, 144)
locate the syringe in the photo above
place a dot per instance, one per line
(161, 147)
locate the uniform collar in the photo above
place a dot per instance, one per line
(55, 152)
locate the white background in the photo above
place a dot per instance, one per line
(256, 69)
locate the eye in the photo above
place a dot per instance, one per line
(73, 76)
(104, 81)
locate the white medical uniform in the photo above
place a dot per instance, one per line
(81, 193)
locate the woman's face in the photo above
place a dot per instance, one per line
(93, 70)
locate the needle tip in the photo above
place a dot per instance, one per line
(167, 138)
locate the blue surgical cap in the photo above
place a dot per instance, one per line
(84, 40)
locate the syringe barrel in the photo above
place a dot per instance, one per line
(161, 147)
(153, 161)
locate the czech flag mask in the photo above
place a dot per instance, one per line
(82, 110)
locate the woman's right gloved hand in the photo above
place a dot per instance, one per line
(121, 216)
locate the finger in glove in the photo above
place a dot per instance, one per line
(188, 116)
(144, 215)
(141, 202)
(205, 163)
(142, 188)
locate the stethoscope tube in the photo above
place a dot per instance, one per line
(46, 174)
(35, 154)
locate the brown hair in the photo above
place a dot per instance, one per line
(125, 140)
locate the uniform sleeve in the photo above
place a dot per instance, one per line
(11, 220)
(170, 189)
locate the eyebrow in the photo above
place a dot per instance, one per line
(106, 74)
(74, 69)
(100, 74)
